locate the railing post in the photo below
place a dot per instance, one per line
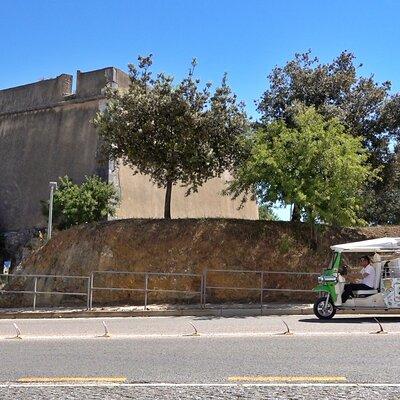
(89, 279)
(34, 293)
(261, 288)
(204, 287)
(201, 290)
(146, 286)
(91, 283)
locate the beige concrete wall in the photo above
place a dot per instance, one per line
(39, 147)
(45, 133)
(35, 95)
(142, 199)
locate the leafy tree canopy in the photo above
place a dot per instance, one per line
(174, 133)
(265, 212)
(74, 204)
(383, 203)
(365, 107)
(312, 162)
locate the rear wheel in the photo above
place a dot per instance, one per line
(323, 311)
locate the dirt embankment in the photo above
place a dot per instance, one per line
(186, 246)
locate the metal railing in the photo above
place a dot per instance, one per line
(261, 288)
(146, 289)
(35, 292)
(202, 284)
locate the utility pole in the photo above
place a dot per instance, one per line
(53, 186)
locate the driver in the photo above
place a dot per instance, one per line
(367, 282)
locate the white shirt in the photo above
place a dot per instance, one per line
(369, 279)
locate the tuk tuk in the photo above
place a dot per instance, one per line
(384, 254)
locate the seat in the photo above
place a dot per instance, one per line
(370, 292)
(365, 292)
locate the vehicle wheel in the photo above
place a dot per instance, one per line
(323, 312)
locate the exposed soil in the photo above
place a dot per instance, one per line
(189, 246)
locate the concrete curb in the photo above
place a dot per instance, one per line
(212, 312)
(208, 312)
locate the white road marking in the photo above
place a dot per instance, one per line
(354, 385)
(292, 378)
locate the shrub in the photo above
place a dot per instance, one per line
(74, 204)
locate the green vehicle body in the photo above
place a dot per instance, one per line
(329, 287)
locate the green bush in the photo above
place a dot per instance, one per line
(266, 213)
(74, 204)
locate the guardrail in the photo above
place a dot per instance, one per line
(146, 289)
(261, 288)
(35, 292)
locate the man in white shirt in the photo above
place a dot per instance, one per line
(366, 283)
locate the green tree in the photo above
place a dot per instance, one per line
(175, 134)
(265, 212)
(365, 107)
(313, 163)
(93, 200)
(383, 204)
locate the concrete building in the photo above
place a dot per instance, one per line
(46, 132)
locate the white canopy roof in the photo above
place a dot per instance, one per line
(366, 246)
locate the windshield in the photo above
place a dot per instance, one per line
(335, 261)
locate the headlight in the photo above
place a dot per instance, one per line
(326, 279)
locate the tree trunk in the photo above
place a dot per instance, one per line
(296, 216)
(167, 205)
(314, 235)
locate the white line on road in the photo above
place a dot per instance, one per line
(355, 385)
(273, 378)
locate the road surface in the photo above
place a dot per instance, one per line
(233, 355)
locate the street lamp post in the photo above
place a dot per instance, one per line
(53, 186)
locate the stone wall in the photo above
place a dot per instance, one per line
(46, 133)
(17, 245)
(35, 95)
(38, 147)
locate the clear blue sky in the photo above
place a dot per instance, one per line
(44, 38)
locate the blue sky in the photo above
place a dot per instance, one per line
(44, 38)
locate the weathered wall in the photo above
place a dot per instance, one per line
(92, 83)
(142, 199)
(45, 133)
(39, 147)
(35, 95)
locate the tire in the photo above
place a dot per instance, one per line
(321, 312)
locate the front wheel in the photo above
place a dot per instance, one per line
(323, 312)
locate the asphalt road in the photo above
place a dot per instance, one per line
(210, 326)
(234, 351)
(354, 358)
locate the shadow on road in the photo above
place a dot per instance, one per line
(211, 317)
(353, 320)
